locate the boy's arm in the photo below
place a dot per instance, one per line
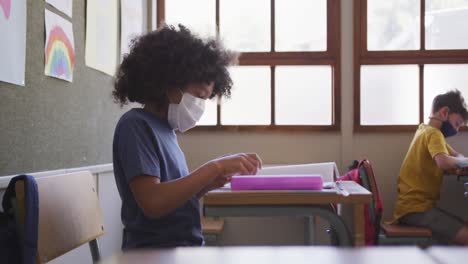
(454, 153)
(157, 199)
(448, 162)
(444, 155)
(217, 183)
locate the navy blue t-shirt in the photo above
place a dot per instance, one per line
(147, 145)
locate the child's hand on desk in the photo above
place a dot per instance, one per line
(462, 168)
(219, 182)
(238, 164)
(462, 171)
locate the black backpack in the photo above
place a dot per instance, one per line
(16, 247)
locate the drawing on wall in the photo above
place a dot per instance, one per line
(6, 7)
(12, 41)
(101, 35)
(65, 6)
(131, 24)
(59, 47)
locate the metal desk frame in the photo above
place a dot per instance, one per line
(227, 203)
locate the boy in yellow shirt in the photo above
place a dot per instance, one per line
(423, 168)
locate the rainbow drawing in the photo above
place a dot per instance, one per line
(6, 7)
(59, 55)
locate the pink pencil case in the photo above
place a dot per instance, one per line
(277, 182)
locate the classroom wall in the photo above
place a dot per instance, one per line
(50, 123)
(385, 150)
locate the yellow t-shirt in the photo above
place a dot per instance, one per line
(420, 178)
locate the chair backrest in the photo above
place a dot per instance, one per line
(361, 172)
(69, 213)
(369, 182)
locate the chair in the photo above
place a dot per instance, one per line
(391, 234)
(466, 189)
(69, 214)
(212, 228)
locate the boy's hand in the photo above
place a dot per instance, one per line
(462, 171)
(218, 183)
(228, 166)
(238, 164)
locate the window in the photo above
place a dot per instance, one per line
(289, 69)
(406, 52)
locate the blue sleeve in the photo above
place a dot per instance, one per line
(137, 150)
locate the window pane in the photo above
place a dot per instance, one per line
(245, 25)
(250, 102)
(199, 16)
(393, 25)
(390, 95)
(446, 24)
(442, 78)
(301, 26)
(303, 95)
(209, 116)
(154, 11)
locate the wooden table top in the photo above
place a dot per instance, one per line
(449, 255)
(348, 192)
(274, 255)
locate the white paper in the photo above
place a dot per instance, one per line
(101, 35)
(328, 170)
(59, 48)
(12, 41)
(131, 23)
(65, 6)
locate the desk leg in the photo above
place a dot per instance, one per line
(310, 230)
(359, 225)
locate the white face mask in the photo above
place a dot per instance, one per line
(185, 115)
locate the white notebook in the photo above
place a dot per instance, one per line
(328, 170)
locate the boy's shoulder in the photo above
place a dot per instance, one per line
(428, 130)
(428, 133)
(134, 113)
(137, 117)
(131, 117)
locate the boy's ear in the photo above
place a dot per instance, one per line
(445, 111)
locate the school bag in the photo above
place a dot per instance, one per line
(373, 212)
(16, 247)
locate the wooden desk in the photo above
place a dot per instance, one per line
(228, 203)
(463, 177)
(275, 255)
(448, 255)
